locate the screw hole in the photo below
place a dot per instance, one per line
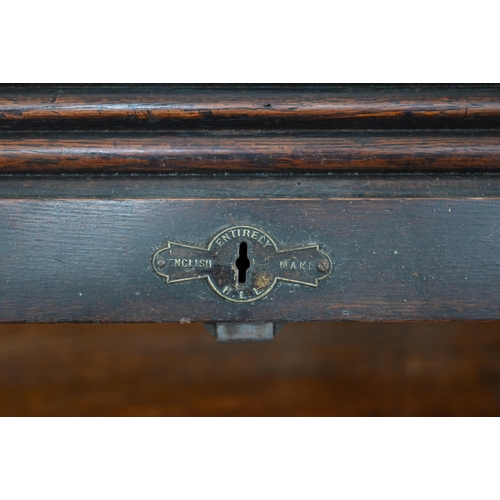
(242, 263)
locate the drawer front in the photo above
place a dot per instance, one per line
(392, 259)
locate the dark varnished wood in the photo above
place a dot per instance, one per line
(245, 186)
(287, 129)
(323, 369)
(399, 183)
(250, 152)
(395, 259)
(299, 105)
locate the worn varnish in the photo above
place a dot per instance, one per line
(251, 152)
(287, 129)
(394, 259)
(157, 106)
(246, 186)
(399, 184)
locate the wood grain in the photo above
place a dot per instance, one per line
(251, 152)
(343, 369)
(274, 105)
(259, 129)
(246, 186)
(414, 237)
(395, 259)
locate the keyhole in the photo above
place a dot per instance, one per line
(242, 263)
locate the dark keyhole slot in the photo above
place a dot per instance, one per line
(242, 263)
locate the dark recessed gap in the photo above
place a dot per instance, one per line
(242, 263)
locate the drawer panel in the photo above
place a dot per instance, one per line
(90, 260)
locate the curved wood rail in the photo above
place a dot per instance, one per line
(190, 129)
(174, 106)
(250, 153)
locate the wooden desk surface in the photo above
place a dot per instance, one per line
(309, 369)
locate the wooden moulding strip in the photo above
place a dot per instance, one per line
(314, 104)
(250, 152)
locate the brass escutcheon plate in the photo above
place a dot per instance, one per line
(242, 264)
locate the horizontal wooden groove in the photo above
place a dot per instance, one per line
(267, 105)
(323, 187)
(251, 153)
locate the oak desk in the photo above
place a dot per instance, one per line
(249, 206)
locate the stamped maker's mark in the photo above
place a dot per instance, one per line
(242, 264)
